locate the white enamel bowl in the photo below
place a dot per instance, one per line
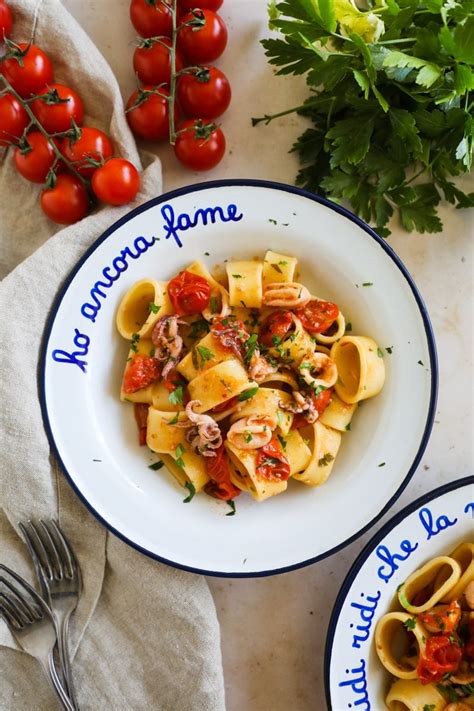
(94, 435)
(429, 527)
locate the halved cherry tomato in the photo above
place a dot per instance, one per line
(199, 145)
(442, 618)
(58, 107)
(91, 143)
(140, 410)
(275, 328)
(442, 654)
(321, 401)
(231, 402)
(29, 70)
(204, 93)
(37, 158)
(13, 119)
(152, 62)
(271, 463)
(116, 182)
(189, 293)
(148, 113)
(218, 470)
(205, 43)
(203, 4)
(317, 315)
(66, 202)
(142, 371)
(5, 20)
(151, 18)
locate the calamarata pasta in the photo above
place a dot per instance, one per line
(241, 383)
(427, 643)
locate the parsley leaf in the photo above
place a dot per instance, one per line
(156, 465)
(176, 397)
(410, 624)
(192, 492)
(153, 308)
(231, 504)
(204, 354)
(247, 394)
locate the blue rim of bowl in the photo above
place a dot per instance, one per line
(362, 557)
(268, 184)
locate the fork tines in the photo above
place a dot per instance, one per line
(50, 549)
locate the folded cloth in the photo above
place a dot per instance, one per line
(144, 636)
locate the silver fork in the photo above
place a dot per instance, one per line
(60, 581)
(31, 623)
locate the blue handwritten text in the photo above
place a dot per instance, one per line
(82, 342)
(366, 612)
(434, 526)
(184, 222)
(358, 684)
(385, 572)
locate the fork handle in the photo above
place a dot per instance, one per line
(51, 674)
(64, 656)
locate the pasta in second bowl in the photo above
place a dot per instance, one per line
(379, 336)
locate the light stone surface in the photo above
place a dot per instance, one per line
(274, 629)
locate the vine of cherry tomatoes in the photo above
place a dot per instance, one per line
(43, 120)
(173, 62)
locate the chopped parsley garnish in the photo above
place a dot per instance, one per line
(379, 353)
(204, 354)
(206, 254)
(282, 441)
(213, 303)
(277, 268)
(367, 283)
(305, 366)
(410, 624)
(429, 707)
(274, 222)
(325, 460)
(237, 276)
(243, 304)
(154, 308)
(449, 691)
(135, 342)
(382, 464)
(174, 420)
(156, 465)
(231, 504)
(250, 346)
(282, 263)
(276, 340)
(389, 350)
(248, 436)
(180, 450)
(319, 389)
(348, 327)
(348, 427)
(199, 328)
(420, 362)
(247, 394)
(192, 492)
(176, 397)
(152, 352)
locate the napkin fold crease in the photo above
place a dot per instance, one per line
(145, 636)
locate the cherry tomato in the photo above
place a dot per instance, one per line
(200, 145)
(205, 43)
(142, 371)
(35, 162)
(442, 654)
(67, 201)
(140, 410)
(189, 293)
(148, 114)
(116, 182)
(202, 4)
(151, 18)
(275, 328)
(13, 119)
(91, 143)
(317, 315)
(217, 468)
(442, 618)
(271, 463)
(60, 106)
(30, 71)
(152, 62)
(5, 20)
(321, 401)
(205, 93)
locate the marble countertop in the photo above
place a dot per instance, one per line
(274, 629)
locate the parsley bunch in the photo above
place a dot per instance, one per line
(389, 101)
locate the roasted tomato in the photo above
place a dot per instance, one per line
(140, 411)
(140, 372)
(321, 401)
(189, 293)
(317, 315)
(442, 655)
(218, 470)
(275, 327)
(271, 463)
(442, 618)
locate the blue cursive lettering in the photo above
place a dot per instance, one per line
(205, 215)
(358, 684)
(91, 308)
(392, 560)
(366, 612)
(469, 507)
(431, 526)
(82, 342)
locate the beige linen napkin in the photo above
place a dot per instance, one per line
(145, 636)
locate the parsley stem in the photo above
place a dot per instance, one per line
(398, 41)
(269, 117)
